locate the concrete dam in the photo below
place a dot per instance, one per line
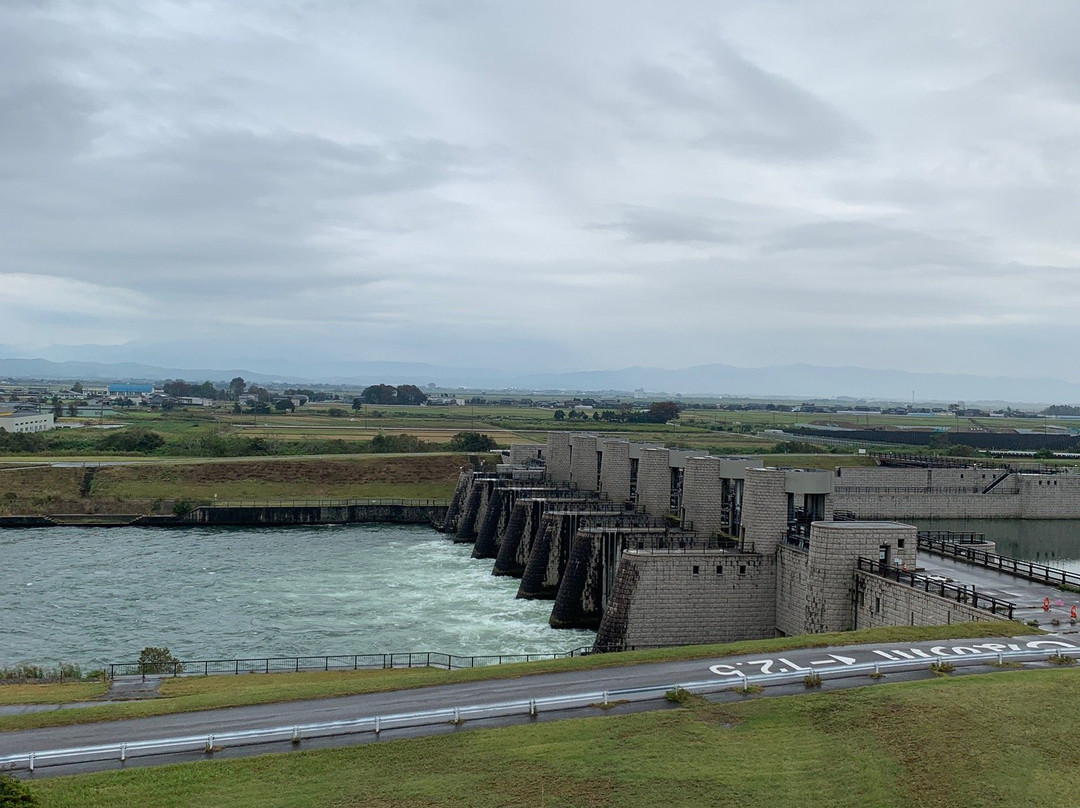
(652, 546)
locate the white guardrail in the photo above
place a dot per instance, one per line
(456, 715)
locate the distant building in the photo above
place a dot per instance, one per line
(130, 389)
(12, 420)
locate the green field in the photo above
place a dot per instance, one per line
(1003, 740)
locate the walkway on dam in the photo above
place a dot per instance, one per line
(1027, 595)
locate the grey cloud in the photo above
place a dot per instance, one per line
(735, 105)
(664, 226)
(883, 246)
(598, 184)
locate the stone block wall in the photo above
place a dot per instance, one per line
(522, 453)
(702, 502)
(877, 477)
(673, 598)
(998, 504)
(654, 482)
(557, 455)
(887, 493)
(583, 462)
(1049, 496)
(835, 548)
(883, 602)
(792, 574)
(615, 470)
(764, 513)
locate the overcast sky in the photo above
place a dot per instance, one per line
(563, 185)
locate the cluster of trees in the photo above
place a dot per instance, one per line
(659, 412)
(472, 442)
(388, 394)
(309, 395)
(1061, 409)
(219, 443)
(178, 388)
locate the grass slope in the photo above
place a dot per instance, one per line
(136, 488)
(1005, 740)
(188, 694)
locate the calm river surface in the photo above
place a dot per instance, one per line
(90, 595)
(1054, 542)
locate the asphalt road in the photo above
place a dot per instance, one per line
(830, 661)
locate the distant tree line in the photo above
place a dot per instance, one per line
(659, 412)
(218, 443)
(1061, 409)
(178, 388)
(388, 394)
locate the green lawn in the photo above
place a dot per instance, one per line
(64, 693)
(1003, 740)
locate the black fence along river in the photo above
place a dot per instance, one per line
(94, 595)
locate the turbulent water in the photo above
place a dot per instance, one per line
(1054, 542)
(95, 595)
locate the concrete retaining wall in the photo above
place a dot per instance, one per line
(316, 515)
(883, 602)
(671, 598)
(792, 575)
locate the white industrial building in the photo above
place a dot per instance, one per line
(24, 421)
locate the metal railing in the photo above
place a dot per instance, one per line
(905, 490)
(328, 662)
(1019, 568)
(939, 586)
(724, 681)
(953, 536)
(924, 461)
(800, 541)
(320, 503)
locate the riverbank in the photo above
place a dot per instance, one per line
(146, 488)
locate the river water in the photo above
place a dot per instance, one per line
(90, 596)
(1054, 542)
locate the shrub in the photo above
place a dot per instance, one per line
(471, 442)
(15, 793)
(678, 695)
(135, 439)
(158, 660)
(812, 680)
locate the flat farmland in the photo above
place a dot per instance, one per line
(355, 430)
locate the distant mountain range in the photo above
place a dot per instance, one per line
(798, 381)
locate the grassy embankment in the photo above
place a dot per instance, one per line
(152, 488)
(1006, 740)
(187, 694)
